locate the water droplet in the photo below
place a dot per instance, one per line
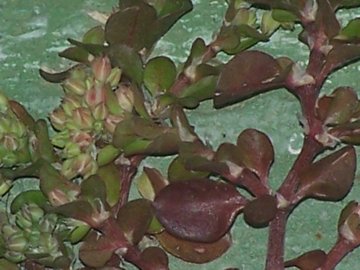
(295, 143)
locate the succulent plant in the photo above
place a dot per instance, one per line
(122, 104)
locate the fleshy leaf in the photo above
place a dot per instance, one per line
(5, 264)
(349, 223)
(159, 74)
(310, 260)
(95, 35)
(130, 26)
(156, 258)
(198, 210)
(75, 54)
(95, 251)
(178, 172)
(343, 104)
(246, 74)
(55, 77)
(22, 114)
(351, 31)
(256, 151)
(134, 219)
(111, 177)
(259, 212)
(192, 251)
(150, 182)
(329, 178)
(128, 60)
(26, 197)
(93, 188)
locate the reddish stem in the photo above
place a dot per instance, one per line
(337, 253)
(276, 241)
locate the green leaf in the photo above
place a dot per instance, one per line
(5, 264)
(283, 16)
(94, 49)
(134, 219)
(22, 114)
(44, 147)
(27, 197)
(351, 31)
(95, 35)
(93, 188)
(110, 175)
(178, 172)
(75, 54)
(128, 60)
(159, 74)
(201, 90)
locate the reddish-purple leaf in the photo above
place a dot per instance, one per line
(246, 74)
(259, 212)
(57, 77)
(349, 222)
(256, 151)
(156, 258)
(310, 260)
(192, 251)
(325, 20)
(329, 178)
(198, 210)
(134, 219)
(96, 250)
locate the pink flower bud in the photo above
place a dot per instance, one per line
(70, 103)
(95, 95)
(101, 68)
(74, 86)
(125, 97)
(111, 121)
(82, 118)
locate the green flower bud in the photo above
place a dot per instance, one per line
(33, 238)
(61, 138)
(32, 212)
(8, 230)
(48, 223)
(17, 242)
(24, 222)
(49, 242)
(70, 103)
(71, 150)
(5, 185)
(125, 97)
(101, 68)
(114, 77)
(15, 257)
(100, 112)
(74, 86)
(58, 118)
(82, 118)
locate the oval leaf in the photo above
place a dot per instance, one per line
(134, 219)
(198, 210)
(311, 260)
(330, 178)
(155, 258)
(259, 212)
(192, 251)
(246, 74)
(256, 151)
(159, 74)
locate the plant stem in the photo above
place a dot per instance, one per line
(276, 241)
(337, 253)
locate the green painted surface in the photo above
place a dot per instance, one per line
(32, 32)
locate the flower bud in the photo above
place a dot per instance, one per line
(125, 97)
(71, 150)
(114, 77)
(5, 185)
(8, 230)
(95, 95)
(58, 118)
(57, 197)
(17, 242)
(111, 121)
(74, 86)
(82, 139)
(13, 256)
(82, 118)
(101, 68)
(32, 212)
(61, 138)
(24, 222)
(48, 223)
(9, 142)
(70, 103)
(49, 242)
(100, 111)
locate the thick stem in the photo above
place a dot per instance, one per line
(276, 241)
(310, 149)
(337, 253)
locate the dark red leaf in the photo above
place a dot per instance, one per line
(310, 260)
(259, 212)
(256, 151)
(198, 210)
(329, 178)
(156, 258)
(246, 74)
(192, 251)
